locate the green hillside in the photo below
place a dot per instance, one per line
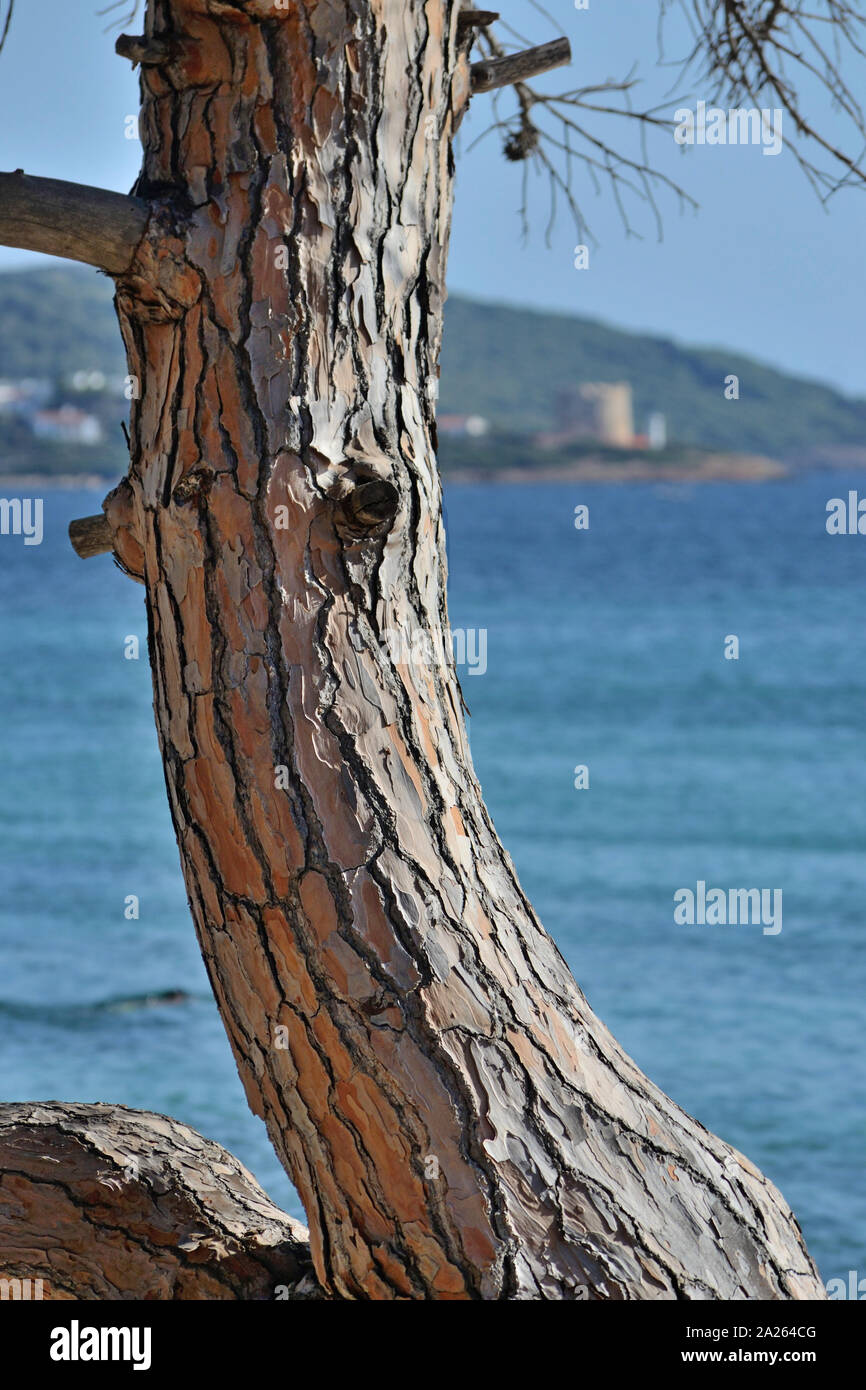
(508, 365)
(56, 321)
(504, 363)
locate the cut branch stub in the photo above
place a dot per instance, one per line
(117, 530)
(150, 53)
(370, 508)
(193, 485)
(475, 19)
(91, 535)
(519, 67)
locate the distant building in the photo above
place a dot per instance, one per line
(657, 430)
(68, 425)
(596, 411)
(471, 425)
(23, 397)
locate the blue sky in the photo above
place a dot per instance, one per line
(761, 267)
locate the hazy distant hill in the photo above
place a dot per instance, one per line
(504, 363)
(56, 321)
(508, 364)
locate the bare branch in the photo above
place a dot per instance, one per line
(545, 123)
(743, 50)
(504, 71)
(9, 12)
(71, 220)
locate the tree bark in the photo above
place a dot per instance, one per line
(98, 1202)
(457, 1122)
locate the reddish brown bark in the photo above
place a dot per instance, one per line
(456, 1120)
(98, 1202)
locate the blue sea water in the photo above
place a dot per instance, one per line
(605, 647)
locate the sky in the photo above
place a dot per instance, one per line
(761, 267)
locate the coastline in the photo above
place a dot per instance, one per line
(60, 482)
(713, 468)
(708, 468)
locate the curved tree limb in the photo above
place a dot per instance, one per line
(71, 220)
(104, 1203)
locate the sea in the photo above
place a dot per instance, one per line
(669, 693)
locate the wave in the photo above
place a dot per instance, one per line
(123, 1004)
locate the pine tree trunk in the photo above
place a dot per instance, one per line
(457, 1122)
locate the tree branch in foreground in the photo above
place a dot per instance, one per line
(105, 1203)
(71, 220)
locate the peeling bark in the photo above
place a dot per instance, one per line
(457, 1122)
(103, 1203)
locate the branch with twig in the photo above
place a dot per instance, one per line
(763, 51)
(554, 132)
(755, 52)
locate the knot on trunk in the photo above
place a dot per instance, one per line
(193, 485)
(160, 284)
(368, 509)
